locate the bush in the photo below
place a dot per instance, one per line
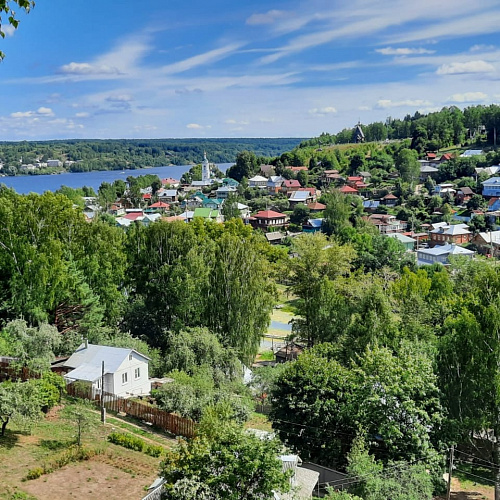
(135, 443)
(35, 473)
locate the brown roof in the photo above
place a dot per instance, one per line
(390, 196)
(316, 206)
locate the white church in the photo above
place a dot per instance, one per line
(206, 174)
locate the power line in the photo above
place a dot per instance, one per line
(475, 475)
(478, 458)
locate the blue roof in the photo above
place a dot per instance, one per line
(371, 204)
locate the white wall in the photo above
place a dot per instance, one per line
(133, 386)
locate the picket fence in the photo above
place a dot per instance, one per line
(169, 422)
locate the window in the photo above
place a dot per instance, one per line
(130, 357)
(124, 378)
(137, 373)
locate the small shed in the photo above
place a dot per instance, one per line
(288, 352)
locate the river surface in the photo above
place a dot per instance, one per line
(24, 184)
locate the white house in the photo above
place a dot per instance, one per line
(125, 370)
(258, 181)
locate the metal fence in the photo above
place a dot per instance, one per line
(169, 422)
(155, 494)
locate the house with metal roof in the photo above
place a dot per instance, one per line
(119, 371)
(491, 187)
(440, 254)
(455, 233)
(409, 243)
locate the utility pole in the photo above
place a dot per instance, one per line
(103, 409)
(450, 471)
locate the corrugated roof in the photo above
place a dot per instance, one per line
(94, 355)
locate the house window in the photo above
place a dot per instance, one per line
(130, 357)
(137, 373)
(124, 378)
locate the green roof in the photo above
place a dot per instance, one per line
(206, 213)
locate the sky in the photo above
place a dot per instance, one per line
(97, 69)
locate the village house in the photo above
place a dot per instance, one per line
(427, 171)
(463, 195)
(440, 254)
(170, 182)
(167, 195)
(312, 226)
(445, 188)
(224, 192)
(297, 197)
(125, 370)
(267, 170)
(268, 220)
(290, 185)
(443, 232)
(315, 207)
(488, 243)
(409, 243)
(274, 184)
(258, 181)
(348, 190)
(389, 200)
(331, 176)
(386, 223)
(491, 187)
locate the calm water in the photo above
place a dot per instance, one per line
(40, 183)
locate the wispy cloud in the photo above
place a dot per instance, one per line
(269, 17)
(40, 112)
(469, 97)
(409, 103)
(461, 68)
(403, 51)
(201, 59)
(328, 110)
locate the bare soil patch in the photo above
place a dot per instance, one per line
(92, 479)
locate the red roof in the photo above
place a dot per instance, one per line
(268, 214)
(133, 215)
(431, 155)
(291, 183)
(298, 169)
(169, 180)
(354, 179)
(446, 156)
(160, 204)
(390, 196)
(348, 189)
(146, 196)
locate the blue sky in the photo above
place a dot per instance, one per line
(128, 69)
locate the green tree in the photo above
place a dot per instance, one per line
(230, 208)
(33, 348)
(19, 402)
(394, 397)
(83, 416)
(6, 10)
(223, 462)
(408, 166)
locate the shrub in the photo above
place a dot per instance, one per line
(135, 443)
(35, 473)
(154, 450)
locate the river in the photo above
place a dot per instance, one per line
(24, 184)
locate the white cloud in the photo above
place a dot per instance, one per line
(120, 98)
(8, 29)
(328, 110)
(387, 103)
(45, 111)
(461, 68)
(82, 115)
(42, 111)
(364, 108)
(74, 68)
(403, 51)
(469, 97)
(201, 59)
(482, 48)
(194, 126)
(236, 122)
(269, 17)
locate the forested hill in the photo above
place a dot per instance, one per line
(429, 132)
(86, 155)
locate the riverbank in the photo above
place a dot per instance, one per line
(40, 183)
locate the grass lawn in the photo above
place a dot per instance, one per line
(115, 472)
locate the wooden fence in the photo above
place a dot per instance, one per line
(169, 422)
